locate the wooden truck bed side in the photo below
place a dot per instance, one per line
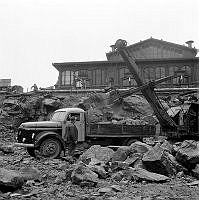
(120, 130)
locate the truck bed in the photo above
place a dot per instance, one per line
(104, 129)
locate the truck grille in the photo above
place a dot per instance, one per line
(24, 136)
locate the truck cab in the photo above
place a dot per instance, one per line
(47, 136)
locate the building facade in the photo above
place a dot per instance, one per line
(155, 59)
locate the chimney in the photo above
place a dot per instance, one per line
(189, 43)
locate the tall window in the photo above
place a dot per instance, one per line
(99, 77)
(159, 72)
(83, 77)
(172, 71)
(67, 78)
(187, 74)
(149, 74)
(126, 78)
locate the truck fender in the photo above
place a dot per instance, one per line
(43, 135)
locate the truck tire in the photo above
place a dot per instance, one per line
(31, 152)
(50, 148)
(130, 141)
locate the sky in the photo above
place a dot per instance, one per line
(36, 33)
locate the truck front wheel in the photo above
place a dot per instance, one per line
(50, 148)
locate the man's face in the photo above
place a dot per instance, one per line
(72, 121)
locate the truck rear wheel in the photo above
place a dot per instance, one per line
(130, 141)
(50, 148)
(31, 151)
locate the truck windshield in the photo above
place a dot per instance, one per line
(58, 116)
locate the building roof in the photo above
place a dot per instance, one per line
(183, 47)
(91, 64)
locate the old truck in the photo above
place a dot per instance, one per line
(46, 137)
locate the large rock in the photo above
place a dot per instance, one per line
(188, 153)
(139, 147)
(30, 173)
(6, 148)
(100, 153)
(195, 171)
(139, 174)
(117, 176)
(118, 165)
(82, 173)
(159, 161)
(10, 179)
(99, 170)
(134, 160)
(167, 146)
(55, 103)
(121, 154)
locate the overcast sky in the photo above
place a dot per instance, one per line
(36, 33)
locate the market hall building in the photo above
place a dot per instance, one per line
(155, 59)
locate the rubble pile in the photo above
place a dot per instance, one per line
(38, 107)
(34, 107)
(102, 173)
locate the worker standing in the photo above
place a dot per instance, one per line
(35, 88)
(72, 136)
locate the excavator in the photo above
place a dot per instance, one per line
(177, 122)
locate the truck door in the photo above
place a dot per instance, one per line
(80, 124)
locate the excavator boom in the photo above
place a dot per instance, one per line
(147, 89)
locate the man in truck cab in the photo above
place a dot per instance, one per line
(71, 136)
